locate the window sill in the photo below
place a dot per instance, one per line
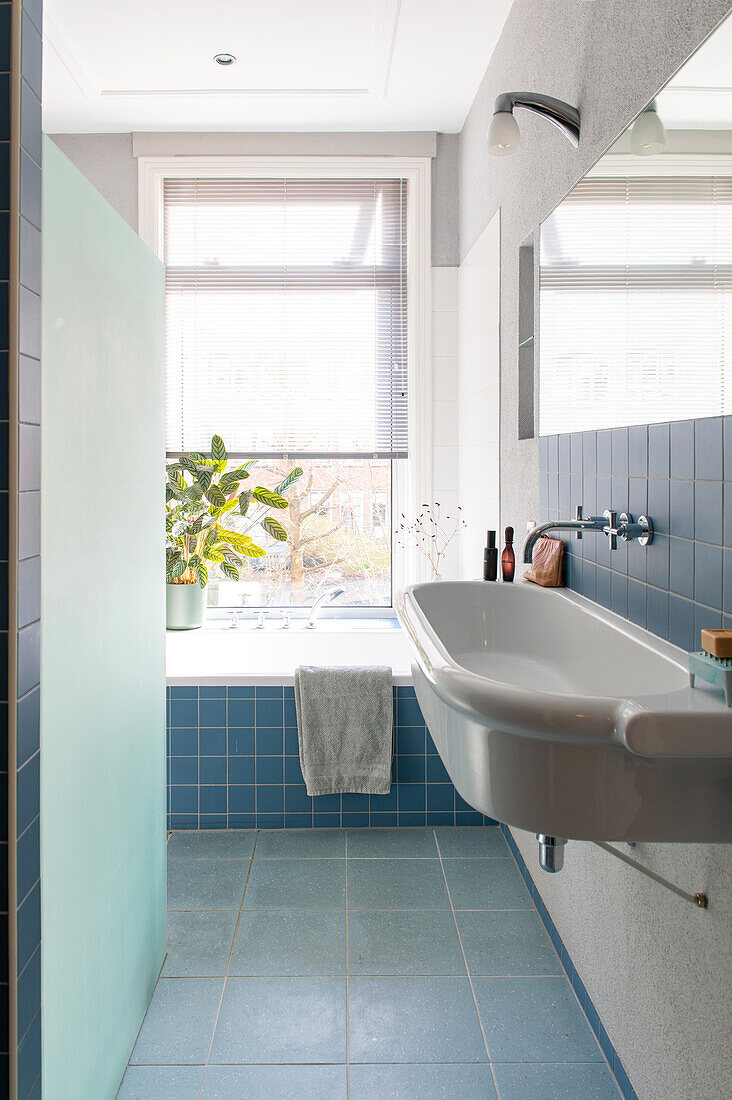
(246, 655)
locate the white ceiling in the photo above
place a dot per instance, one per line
(699, 97)
(301, 64)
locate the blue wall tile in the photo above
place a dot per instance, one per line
(223, 774)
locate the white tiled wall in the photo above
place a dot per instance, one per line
(445, 400)
(478, 409)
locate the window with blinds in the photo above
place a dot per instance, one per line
(636, 303)
(286, 314)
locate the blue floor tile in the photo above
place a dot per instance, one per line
(371, 843)
(300, 843)
(413, 1020)
(471, 841)
(281, 1020)
(469, 1082)
(290, 943)
(199, 944)
(396, 884)
(534, 1020)
(555, 1082)
(297, 884)
(275, 1083)
(403, 943)
(516, 943)
(486, 884)
(157, 1083)
(179, 1023)
(206, 883)
(212, 844)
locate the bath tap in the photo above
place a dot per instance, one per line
(579, 524)
(609, 523)
(326, 596)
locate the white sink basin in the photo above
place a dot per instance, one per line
(554, 715)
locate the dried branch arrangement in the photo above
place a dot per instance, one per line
(431, 532)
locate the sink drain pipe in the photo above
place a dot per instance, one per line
(551, 852)
(551, 859)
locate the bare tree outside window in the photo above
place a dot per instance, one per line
(338, 525)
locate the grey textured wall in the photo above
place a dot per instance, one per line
(609, 59)
(445, 228)
(657, 969)
(107, 162)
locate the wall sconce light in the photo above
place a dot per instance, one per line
(648, 135)
(504, 136)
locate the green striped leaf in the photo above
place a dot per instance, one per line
(269, 497)
(217, 498)
(218, 450)
(193, 492)
(176, 479)
(188, 464)
(196, 457)
(227, 486)
(178, 569)
(253, 551)
(230, 571)
(239, 474)
(292, 477)
(203, 477)
(213, 555)
(274, 528)
(202, 574)
(244, 501)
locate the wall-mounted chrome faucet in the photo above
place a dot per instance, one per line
(608, 523)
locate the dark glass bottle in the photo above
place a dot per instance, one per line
(508, 558)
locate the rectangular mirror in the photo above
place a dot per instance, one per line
(635, 270)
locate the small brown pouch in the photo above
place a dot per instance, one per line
(546, 567)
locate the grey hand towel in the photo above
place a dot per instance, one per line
(344, 721)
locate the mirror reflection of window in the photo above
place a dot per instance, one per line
(635, 271)
(636, 302)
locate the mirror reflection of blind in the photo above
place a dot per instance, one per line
(636, 303)
(286, 314)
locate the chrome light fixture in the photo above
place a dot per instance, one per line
(648, 135)
(224, 59)
(504, 136)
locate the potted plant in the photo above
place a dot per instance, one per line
(200, 493)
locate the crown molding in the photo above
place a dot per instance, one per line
(385, 27)
(386, 24)
(57, 37)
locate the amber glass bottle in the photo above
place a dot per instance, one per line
(508, 558)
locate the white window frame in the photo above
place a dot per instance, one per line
(412, 478)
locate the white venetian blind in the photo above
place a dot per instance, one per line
(636, 303)
(286, 312)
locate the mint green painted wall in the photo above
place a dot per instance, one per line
(102, 661)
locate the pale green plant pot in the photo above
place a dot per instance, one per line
(185, 606)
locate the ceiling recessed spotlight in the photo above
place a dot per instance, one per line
(224, 59)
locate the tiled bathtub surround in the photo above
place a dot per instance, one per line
(679, 474)
(233, 762)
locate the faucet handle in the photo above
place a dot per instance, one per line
(611, 530)
(578, 516)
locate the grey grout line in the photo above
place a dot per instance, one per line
(467, 968)
(228, 965)
(566, 977)
(348, 1044)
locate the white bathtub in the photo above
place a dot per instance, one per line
(218, 655)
